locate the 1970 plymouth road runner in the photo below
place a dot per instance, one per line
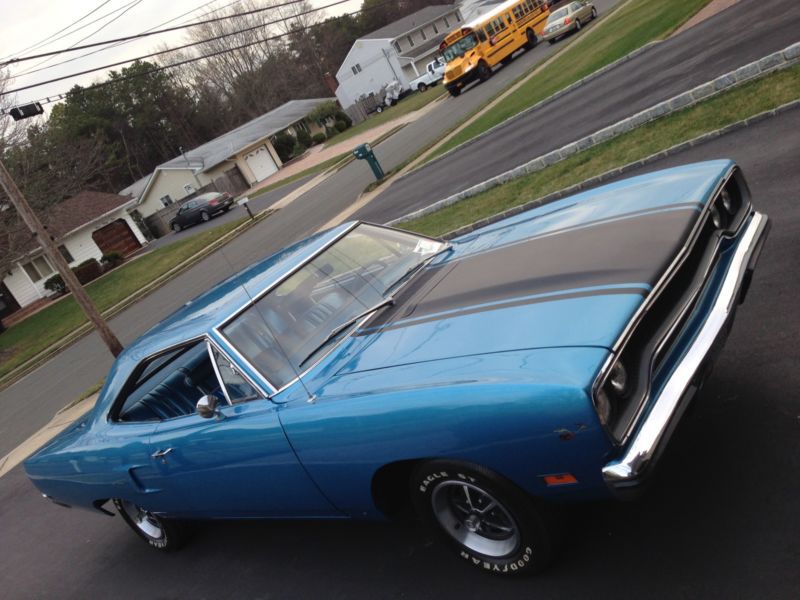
(544, 358)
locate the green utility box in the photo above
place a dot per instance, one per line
(364, 152)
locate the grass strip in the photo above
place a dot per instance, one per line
(729, 107)
(629, 28)
(41, 330)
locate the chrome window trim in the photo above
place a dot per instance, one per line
(217, 373)
(277, 390)
(662, 283)
(245, 376)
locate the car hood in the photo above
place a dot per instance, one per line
(572, 273)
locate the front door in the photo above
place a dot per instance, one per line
(239, 466)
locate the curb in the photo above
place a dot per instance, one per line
(613, 173)
(36, 361)
(772, 62)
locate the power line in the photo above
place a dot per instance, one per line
(128, 7)
(50, 37)
(160, 52)
(147, 34)
(31, 71)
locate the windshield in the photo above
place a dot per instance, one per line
(460, 47)
(283, 329)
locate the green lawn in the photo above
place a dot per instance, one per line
(33, 335)
(732, 106)
(629, 28)
(323, 166)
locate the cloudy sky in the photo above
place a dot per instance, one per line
(26, 24)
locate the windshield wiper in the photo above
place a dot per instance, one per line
(407, 275)
(389, 300)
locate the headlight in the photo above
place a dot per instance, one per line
(618, 379)
(603, 406)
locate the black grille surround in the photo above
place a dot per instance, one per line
(654, 329)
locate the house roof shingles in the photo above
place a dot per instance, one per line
(218, 150)
(410, 22)
(68, 215)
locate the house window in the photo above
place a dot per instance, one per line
(422, 35)
(435, 29)
(356, 69)
(446, 22)
(410, 41)
(38, 268)
(65, 253)
(458, 17)
(396, 47)
(166, 200)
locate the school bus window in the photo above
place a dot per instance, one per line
(508, 18)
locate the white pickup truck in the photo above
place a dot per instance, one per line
(433, 74)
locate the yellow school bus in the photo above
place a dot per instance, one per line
(473, 49)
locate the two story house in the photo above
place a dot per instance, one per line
(398, 51)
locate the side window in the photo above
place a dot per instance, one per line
(168, 385)
(237, 387)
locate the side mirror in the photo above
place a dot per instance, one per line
(207, 407)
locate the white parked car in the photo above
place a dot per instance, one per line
(433, 74)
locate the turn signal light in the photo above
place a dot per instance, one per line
(560, 479)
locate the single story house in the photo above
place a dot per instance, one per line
(400, 51)
(244, 155)
(85, 226)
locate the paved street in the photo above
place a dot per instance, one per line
(746, 32)
(720, 520)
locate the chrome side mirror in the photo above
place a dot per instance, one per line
(207, 407)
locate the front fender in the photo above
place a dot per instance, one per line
(528, 416)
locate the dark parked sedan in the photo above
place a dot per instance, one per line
(200, 209)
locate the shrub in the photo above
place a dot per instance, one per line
(330, 132)
(343, 116)
(88, 270)
(298, 150)
(340, 126)
(111, 260)
(284, 145)
(318, 138)
(324, 111)
(56, 285)
(303, 137)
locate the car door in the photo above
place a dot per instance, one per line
(237, 464)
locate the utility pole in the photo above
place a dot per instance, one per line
(52, 252)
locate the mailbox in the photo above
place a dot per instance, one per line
(364, 152)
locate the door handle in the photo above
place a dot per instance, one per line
(161, 453)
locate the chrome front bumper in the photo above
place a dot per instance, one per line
(654, 432)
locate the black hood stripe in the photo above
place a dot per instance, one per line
(640, 290)
(603, 257)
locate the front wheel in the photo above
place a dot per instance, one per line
(532, 39)
(578, 24)
(176, 227)
(422, 87)
(162, 534)
(454, 92)
(594, 13)
(493, 525)
(484, 72)
(204, 216)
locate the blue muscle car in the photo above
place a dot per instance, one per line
(366, 370)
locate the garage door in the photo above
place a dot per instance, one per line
(261, 163)
(116, 237)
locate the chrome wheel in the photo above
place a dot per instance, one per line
(205, 216)
(147, 523)
(474, 518)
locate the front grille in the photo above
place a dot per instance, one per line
(660, 325)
